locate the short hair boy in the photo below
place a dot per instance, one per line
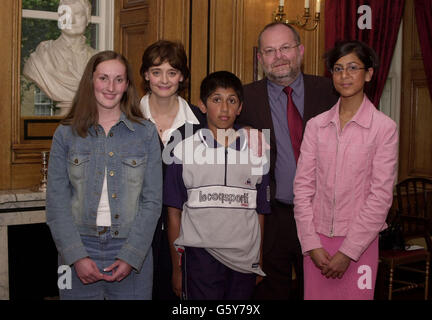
(213, 197)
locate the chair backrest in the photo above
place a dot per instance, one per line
(414, 196)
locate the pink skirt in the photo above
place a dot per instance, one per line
(358, 282)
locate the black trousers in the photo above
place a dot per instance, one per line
(205, 278)
(281, 253)
(162, 265)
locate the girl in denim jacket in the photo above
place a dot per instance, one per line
(105, 186)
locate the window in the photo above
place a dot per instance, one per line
(40, 23)
(390, 101)
(43, 106)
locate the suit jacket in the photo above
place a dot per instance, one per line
(319, 96)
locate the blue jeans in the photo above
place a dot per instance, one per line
(103, 250)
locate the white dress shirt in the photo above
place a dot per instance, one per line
(184, 115)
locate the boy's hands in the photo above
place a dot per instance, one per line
(174, 220)
(177, 281)
(259, 279)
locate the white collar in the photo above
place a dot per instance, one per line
(184, 115)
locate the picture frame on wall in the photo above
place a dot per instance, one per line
(258, 73)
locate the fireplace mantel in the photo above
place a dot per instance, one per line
(17, 207)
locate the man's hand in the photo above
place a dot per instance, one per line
(256, 141)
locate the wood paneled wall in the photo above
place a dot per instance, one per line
(135, 26)
(20, 160)
(415, 151)
(217, 34)
(6, 80)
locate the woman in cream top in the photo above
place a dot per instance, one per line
(165, 73)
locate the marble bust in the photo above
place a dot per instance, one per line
(56, 66)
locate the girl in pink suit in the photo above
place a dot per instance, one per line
(344, 182)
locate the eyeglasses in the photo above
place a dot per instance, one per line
(271, 52)
(350, 69)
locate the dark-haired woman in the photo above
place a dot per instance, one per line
(165, 73)
(344, 182)
(105, 186)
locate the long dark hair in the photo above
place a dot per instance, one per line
(84, 113)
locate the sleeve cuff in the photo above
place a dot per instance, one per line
(132, 256)
(72, 255)
(310, 244)
(351, 250)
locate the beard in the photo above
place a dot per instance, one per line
(286, 76)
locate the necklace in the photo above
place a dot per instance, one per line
(164, 120)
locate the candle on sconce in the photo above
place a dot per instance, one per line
(308, 22)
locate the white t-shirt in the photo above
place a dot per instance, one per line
(103, 217)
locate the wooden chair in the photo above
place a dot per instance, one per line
(414, 200)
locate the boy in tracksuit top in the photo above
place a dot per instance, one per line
(216, 191)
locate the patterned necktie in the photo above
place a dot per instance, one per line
(295, 123)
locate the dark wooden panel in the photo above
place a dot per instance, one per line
(420, 156)
(8, 32)
(26, 175)
(39, 129)
(135, 29)
(127, 4)
(29, 153)
(134, 42)
(415, 147)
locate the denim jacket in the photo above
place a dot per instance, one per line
(131, 156)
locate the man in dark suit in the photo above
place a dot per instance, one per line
(280, 53)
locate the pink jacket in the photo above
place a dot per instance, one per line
(344, 180)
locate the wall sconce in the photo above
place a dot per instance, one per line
(303, 22)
